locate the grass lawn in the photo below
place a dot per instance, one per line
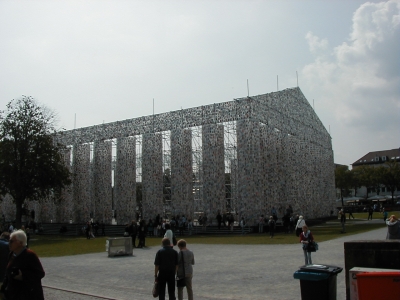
(51, 246)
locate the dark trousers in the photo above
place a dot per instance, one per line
(163, 279)
(133, 241)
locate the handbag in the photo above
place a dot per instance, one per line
(311, 247)
(180, 282)
(155, 289)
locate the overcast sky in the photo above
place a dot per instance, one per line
(106, 60)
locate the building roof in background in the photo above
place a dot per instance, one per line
(378, 157)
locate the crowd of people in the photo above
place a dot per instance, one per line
(21, 270)
(157, 227)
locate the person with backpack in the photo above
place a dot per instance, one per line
(271, 225)
(306, 237)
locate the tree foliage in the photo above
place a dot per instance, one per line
(391, 176)
(31, 164)
(342, 180)
(373, 178)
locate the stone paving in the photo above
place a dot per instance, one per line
(221, 271)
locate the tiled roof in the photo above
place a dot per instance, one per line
(378, 157)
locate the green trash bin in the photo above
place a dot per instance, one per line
(318, 282)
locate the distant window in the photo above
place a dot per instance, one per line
(365, 160)
(377, 158)
(383, 158)
(361, 160)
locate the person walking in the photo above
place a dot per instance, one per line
(165, 268)
(343, 220)
(350, 213)
(393, 225)
(306, 237)
(370, 212)
(133, 232)
(185, 269)
(24, 271)
(299, 226)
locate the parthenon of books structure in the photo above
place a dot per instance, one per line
(243, 156)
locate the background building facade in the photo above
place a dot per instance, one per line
(243, 156)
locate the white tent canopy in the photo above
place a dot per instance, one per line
(377, 197)
(346, 199)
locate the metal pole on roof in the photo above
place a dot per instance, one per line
(153, 115)
(277, 83)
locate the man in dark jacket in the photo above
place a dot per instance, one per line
(166, 266)
(24, 271)
(132, 229)
(4, 252)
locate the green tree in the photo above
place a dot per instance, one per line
(355, 180)
(368, 178)
(391, 176)
(31, 164)
(378, 178)
(342, 180)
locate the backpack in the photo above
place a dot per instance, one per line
(271, 223)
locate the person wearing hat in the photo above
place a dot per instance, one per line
(393, 225)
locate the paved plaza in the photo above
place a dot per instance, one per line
(221, 271)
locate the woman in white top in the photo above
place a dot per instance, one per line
(169, 234)
(299, 227)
